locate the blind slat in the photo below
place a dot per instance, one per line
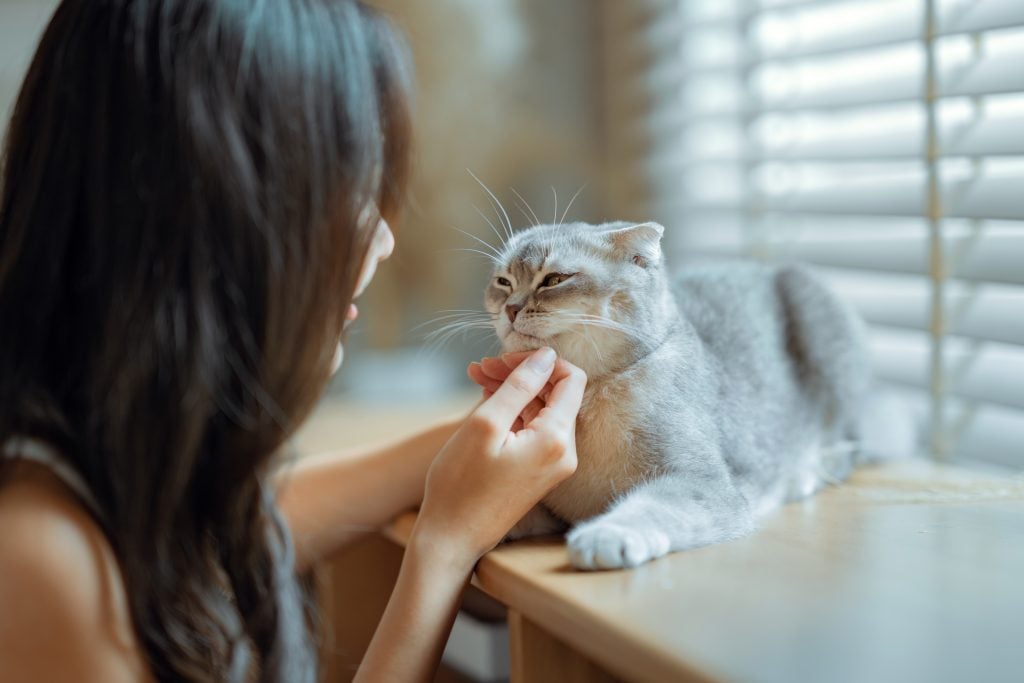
(995, 198)
(1001, 73)
(995, 258)
(985, 312)
(883, 23)
(987, 136)
(993, 70)
(991, 373)
(821, 31)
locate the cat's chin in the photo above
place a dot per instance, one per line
(517, 341)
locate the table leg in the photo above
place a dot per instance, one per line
(538, 657)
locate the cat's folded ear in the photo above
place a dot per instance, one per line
(638, 241)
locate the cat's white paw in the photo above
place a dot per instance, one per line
(605, 545)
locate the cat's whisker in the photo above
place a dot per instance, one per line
(519, 205)
(571, 201)
(589, 317)
(442, 342)
(590, 320)
(442, 337)
(554, 217)
(490, 246)
(536, 221)
(597, 318)
(459, 316)
(508, 221)
(474, 316)
(489, 257)
(502, 240)
(464, 317)
(586, 335)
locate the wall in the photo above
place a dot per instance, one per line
(21, 24)
(507, 88)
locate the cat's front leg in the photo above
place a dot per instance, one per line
(539, 521)
(660, 516)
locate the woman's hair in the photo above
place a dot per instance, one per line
(189, 188)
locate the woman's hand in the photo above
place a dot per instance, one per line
(512, 450)
(489, 373)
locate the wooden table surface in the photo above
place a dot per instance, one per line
(909, 572)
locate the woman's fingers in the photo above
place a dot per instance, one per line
(489, 386)
(563, 404)
(476, 373)
(495, 368)
(512, 359)
(489, 373)
(515, 393)
(531, 410)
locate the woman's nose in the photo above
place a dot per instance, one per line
(512, 310)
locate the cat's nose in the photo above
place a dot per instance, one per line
(512, 310)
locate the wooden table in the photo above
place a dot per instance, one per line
(910, 572)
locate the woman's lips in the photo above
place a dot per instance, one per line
(352, 314)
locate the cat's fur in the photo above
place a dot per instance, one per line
(711, 399)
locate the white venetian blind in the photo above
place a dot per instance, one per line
(881, 141)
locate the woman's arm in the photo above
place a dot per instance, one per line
(489, 474)
(410, 639)
(327, 500)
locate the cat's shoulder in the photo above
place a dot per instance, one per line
(737, 272)
(741, 279)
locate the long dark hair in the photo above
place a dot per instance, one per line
(188, 190)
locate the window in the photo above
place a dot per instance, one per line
(881, 141)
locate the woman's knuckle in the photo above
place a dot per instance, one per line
(570, 465)
(567, 463)
(483, 425)
(555, 446)
(519, 383)
(577, 374)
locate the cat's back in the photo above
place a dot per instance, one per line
(750, 315)
(733, 306)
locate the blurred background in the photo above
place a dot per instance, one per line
(881, 140)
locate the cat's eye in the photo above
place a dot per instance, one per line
(555, 279)
(504, 282)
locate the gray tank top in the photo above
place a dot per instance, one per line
(39, 452)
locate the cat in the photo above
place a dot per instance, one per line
(712, 398)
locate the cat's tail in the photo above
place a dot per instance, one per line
(887, 428)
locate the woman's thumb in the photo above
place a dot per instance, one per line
(521, 387)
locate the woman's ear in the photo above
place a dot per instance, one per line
(640, 242)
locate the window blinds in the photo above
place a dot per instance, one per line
(881, 141)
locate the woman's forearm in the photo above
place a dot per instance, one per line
(327, 500)
(411, 636)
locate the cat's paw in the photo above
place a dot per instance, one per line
(606, 545)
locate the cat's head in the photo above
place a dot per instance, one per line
(594, 293)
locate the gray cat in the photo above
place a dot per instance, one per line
(711, 399)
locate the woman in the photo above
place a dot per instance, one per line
(194, 192)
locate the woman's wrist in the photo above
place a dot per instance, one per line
(438, 547)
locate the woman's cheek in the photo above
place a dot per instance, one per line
(339, 356)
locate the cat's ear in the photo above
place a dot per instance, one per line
(638, 241)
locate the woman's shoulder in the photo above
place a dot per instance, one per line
(64, 612)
